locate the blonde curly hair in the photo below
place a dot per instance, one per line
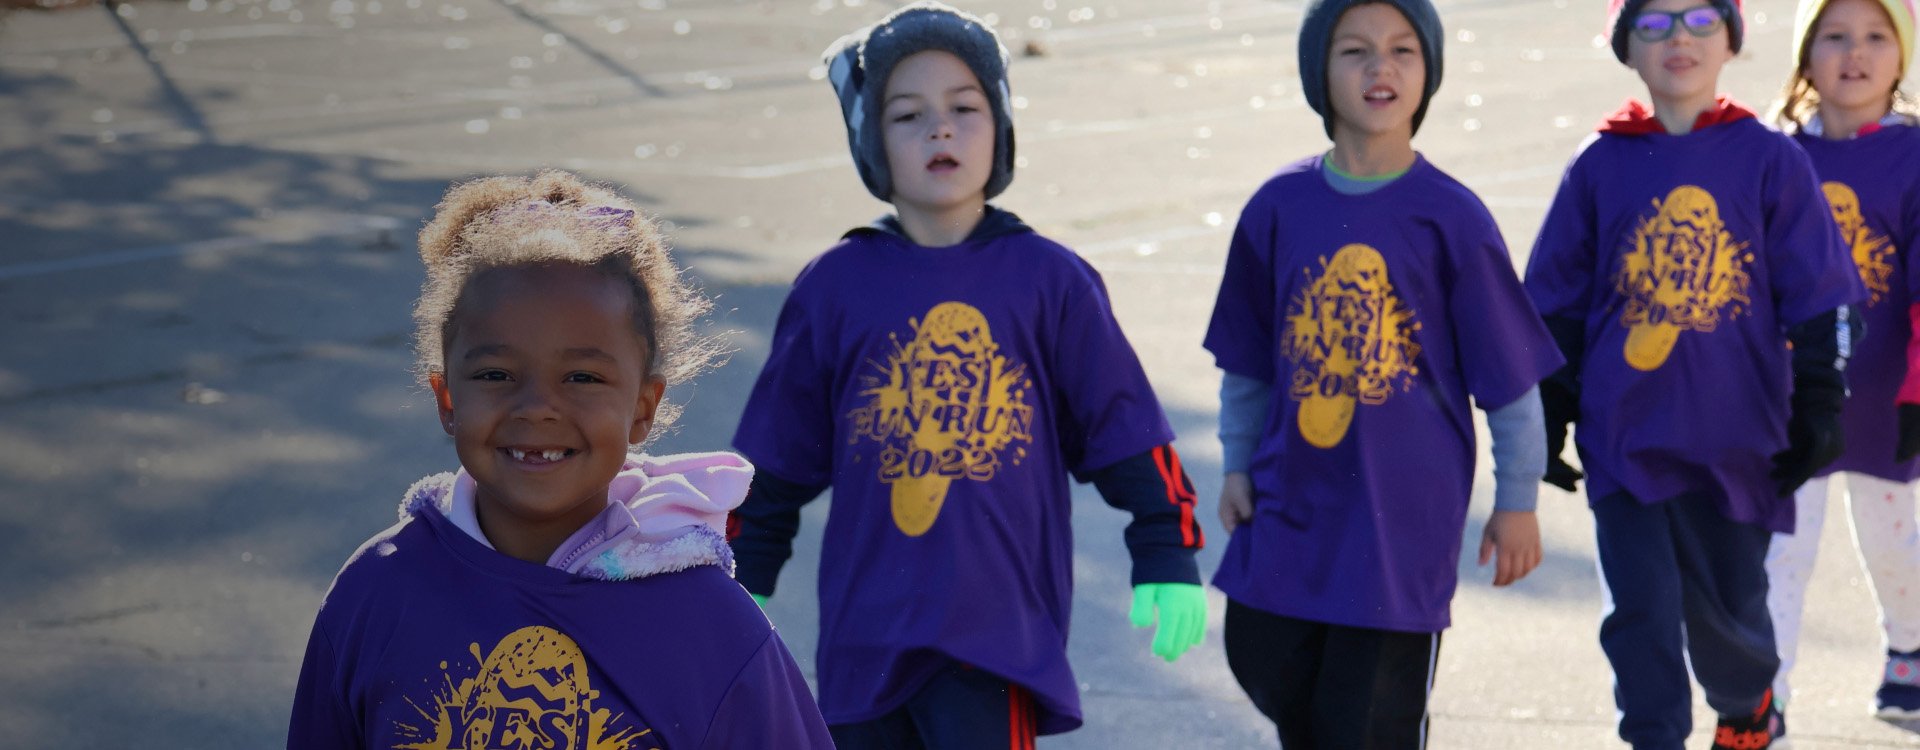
(554, 217)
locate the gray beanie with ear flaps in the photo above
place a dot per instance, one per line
(859, 64)
(1316, 41)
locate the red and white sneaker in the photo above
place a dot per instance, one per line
(1754, 731)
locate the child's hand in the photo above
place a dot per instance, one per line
(1562, 474)
(1561, 406)
(1814, 440)
(1182, 609)
(1515, 535)
(1236, 500)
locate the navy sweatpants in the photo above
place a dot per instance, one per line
(1682, 577)
(961, 709)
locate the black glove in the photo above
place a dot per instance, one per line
(1561, 407)
(1821, 347)
(1813, 441)
(1909, 432)
(1560, 399)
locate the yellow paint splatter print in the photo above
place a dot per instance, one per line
(1683, 271)
(946, 405)
(1872, 252)
(1351, 340)
(532, 692)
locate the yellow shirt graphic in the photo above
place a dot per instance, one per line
(1352, 341)
(532, 692)
(1683, 271)
(947, 405)
(1872, 252)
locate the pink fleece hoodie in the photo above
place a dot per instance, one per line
(664, 514)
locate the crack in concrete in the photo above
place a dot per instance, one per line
(91, 618)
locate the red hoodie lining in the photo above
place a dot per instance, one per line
(1635, 118)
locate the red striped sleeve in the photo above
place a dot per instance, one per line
(1179, 493)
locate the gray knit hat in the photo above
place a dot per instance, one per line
(1316, 39)
(860, 63)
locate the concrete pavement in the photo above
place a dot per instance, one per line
(206, 215)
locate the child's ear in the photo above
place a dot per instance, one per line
(643, 411)
(442, 399)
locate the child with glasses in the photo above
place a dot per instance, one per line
(1687, 248)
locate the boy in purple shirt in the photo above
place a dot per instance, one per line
(1368, 300)
(944, 371)
(1687, 246)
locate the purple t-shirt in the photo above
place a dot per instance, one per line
(946, 393)
(1687, 257)
(1374, 317)
(430, 639)
(1873, 185)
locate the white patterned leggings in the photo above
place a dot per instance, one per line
(1884, 532)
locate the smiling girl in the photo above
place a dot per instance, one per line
(559, 590)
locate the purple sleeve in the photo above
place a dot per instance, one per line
(1910, 229)
(1810, 265)
(1108, 408)
(1561, 268)
(787, 427)
(1503, 347)
(1910, 219)
(321, 719)
(768, 705)
(1240, 336)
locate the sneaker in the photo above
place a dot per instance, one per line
(1754, 731)
(1899, 693)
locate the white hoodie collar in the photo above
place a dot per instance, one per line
(461, 509)
(1818, 129)
(666, 514)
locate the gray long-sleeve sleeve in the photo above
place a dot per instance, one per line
(1243, 417)
(1519, 438)
(1519, 451)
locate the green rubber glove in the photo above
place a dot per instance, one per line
(758, 599)
(1182, 611)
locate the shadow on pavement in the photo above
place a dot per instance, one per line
(192, 442)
